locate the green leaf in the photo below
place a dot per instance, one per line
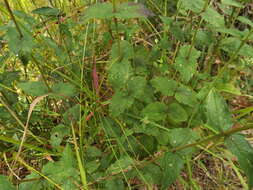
(232, 3)
(33, 184)
(183, 136)
(164, 85)
(217, 113)
(136, 86)
(33, 88)
(244, 153)
(155, 111)
(186, 96)
(92, 166)
(245, 20)
(172, 164)
(195, 6)
(231, 45)
(63, 172)
(229, 88)
(120, 165)
(152, 174)
(126, 50)
(119, 103)
(123, 11)
(65, 89)
(111, 128)
(213, 17)
(120, 73)
(177, 113)
(115, 184)
(186, 63)
(16, 43)
(72, 114)
(5, 183)
(58, 133)
(46, 11)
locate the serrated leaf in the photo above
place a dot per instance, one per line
(195, 6)
(186, 63)
(186, 96)
(5, 183)
(16, 43)
(240, 147)
(172, 164)
(155, 111)
(33, 88)
(120, 73)
(136, 86)
(123, 11)
(164, 85)
(232, 3)
(213, 17)
(126, 50)
(120, 165)
(182, 136)
(119, 103)
(217, 113)
(231, 45)
(58, 133)
(65, 89)
(46, 11)
(115, 184)
(177, 113)
(63, 172)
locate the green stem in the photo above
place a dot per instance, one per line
(13, 18)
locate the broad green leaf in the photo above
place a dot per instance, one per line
(164, 85)
(63, 171)
(172, 164)
(33, 184)
(204, 38)
(213, 17)
(136, 86)
(65, 89)
(120, 102)
(33, 88)
(126, 51)
(217, 113)
(123, 11)
(46, 11)
(120, 165)
(245, 20)
(195, 6)
(183, 136)
(231, 31)
(111, 128)
(229, 88)
(92, 166)
(115, 184)
(58, 133)
(155, 111)
(120, 73)
(152, 174)
(16, 43)
(186, 96)
(5, 183)
(93, 152)
(244, 153)
(177, 113)
(232, 45)
(233, 3)
(72, 114)
(186, 62)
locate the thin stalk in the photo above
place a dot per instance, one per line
(13, 18)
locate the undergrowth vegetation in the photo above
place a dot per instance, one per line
(118, 95)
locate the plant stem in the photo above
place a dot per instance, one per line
(13, 18)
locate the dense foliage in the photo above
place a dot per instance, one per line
(125, 94)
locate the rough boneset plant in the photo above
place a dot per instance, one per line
(125, 95)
